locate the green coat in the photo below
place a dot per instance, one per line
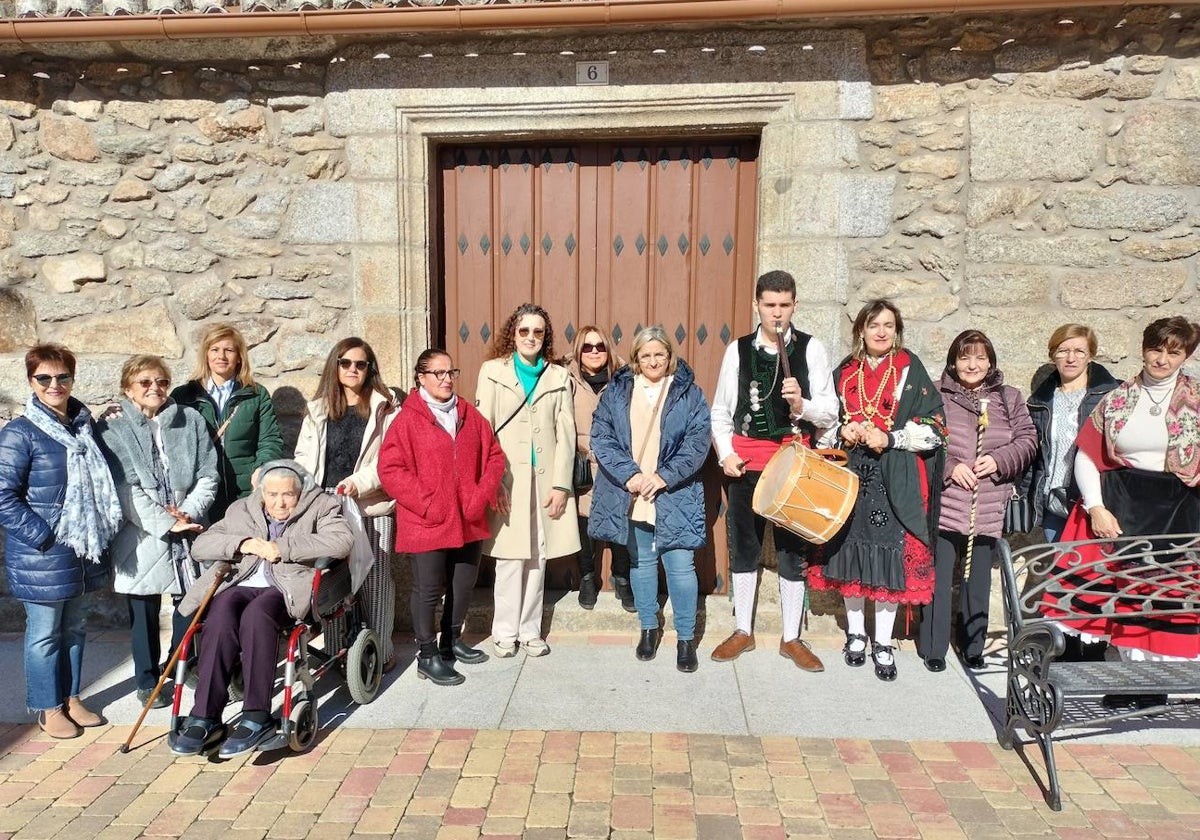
(251, 439)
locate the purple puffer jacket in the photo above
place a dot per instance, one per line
(1010, 438)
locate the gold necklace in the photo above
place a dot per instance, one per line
(871, 406)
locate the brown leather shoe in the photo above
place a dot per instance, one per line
(81, 714)
(56, 724)
(800, 653)
(733, 647)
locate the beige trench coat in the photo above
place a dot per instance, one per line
(547, 426)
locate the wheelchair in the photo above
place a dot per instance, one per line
(360, 663)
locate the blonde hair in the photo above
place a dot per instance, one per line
(1068, 331)
(221, 332)
(140, 364)
(655, 333)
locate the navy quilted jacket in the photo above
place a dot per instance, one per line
(679, 509)
(33, 480)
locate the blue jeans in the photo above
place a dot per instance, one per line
(54, 636)
(643, 579)
(1053, 525)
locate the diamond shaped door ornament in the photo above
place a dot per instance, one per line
(643, 158)
(618, 159)
(640, 244)
(725, 336)
(704, 245)
(547, 159)
(485, 332)
(505, 159)
(706, 157)
(524, 243)
(702, 334)
(732, 160)
(506, 244)
(570, 159)
(663, 245)
(464, 332)
(680, 334)
(618, 245)
(526, 159)
(683, 243)
(727, 243)
(547, 244)
(569, 332)
(485, 159)
(485, 244)
(664, 158)
(460, 160)
(638, 328)
(463, 244)
(617, 333)
(570, 244)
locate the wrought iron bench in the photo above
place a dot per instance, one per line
(1138, 578)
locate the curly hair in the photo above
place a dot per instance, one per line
(505, 343)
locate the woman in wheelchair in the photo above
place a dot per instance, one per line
(270, 539)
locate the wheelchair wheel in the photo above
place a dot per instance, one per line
(304, 726)
(364, 667)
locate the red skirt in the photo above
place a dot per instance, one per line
(918, 578)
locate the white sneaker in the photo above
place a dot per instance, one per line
(504, 651)
(536, 647)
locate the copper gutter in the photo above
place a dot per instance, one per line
(465, 19)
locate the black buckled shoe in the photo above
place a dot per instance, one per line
(855, 658)
(196, 736)
(453, 648)
(887, 672)
(247, 735)
(685, 658)
(647, 645)
(587, 591)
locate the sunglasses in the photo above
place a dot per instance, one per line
(145, 384)
(442, 375)
(357, 364)
(599, 347)
(524, 332)
(44, 379)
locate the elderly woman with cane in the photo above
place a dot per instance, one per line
(992, 440)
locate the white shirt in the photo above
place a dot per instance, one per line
(821, 409)
(220, 394)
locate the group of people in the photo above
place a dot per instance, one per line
(561, 457)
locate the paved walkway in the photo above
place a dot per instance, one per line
(588, 742)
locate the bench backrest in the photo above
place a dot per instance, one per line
(1154, 575)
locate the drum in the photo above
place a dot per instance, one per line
(804, 492)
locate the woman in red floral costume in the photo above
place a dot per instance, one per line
(894, 427)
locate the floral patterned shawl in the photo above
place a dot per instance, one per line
(1098, 435)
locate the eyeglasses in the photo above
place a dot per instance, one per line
(357, 364)
(1069, 352)
(44, 379)
(145, 384)
(524, 332)
(599, 347)
(442, 375)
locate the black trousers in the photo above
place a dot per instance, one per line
(432, 571)
(745, 530)
(245, 622)
(973, 597)
(143, 632)
(589, 554)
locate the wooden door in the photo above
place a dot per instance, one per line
(621, 234)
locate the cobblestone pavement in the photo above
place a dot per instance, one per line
(462, 784)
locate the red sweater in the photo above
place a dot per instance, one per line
(442, 485)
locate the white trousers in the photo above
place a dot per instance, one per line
(520, 588)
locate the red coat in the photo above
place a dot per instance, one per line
(442, 485)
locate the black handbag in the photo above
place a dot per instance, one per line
(581, 475)
(1018, 513)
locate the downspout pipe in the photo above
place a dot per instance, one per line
(466, 19)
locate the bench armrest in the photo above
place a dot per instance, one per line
(1035, 702)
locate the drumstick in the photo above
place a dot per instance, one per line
(783, 357)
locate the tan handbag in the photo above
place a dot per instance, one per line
(807, 491)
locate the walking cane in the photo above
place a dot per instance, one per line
(208, 596)
(983, 424)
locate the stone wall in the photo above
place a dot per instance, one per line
(1010, 172)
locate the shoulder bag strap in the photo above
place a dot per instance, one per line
(524, 400)
(650, 426)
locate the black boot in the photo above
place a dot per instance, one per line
(685, 658)
(648, 645)
(431, 666)
(452, 647)
(624, 593)
(587, 591)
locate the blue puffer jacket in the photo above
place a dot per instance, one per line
(679, 509)
(33, 480)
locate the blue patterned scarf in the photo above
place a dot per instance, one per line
(91, 511)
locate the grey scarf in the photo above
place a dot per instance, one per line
(91, 511)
